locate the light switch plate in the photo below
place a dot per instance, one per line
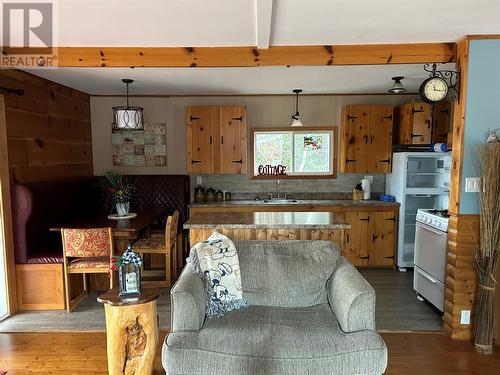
(472, 184)
(465, 317)
(198, 180)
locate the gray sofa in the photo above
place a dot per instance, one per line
(311, 312)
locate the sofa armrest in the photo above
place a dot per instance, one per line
(351, 298)
(187, 302)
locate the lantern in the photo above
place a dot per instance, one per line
(129, 273)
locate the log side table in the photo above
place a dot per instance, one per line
(131, 331)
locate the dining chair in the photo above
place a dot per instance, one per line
(85, 251)
(162, 245)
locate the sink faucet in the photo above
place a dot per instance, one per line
(278, 188)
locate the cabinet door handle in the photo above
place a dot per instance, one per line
(237, 161)
(391, 219)
(221, 139)
(413, 135)
(374, 237)
(349, 117)
(417, 110)
(210, 139)
(371, 138)
(367, 219)
(350, 160)
(386, 117)
(366, 257)
(347, 238)
(385, 161)
(237, 118)
(391, 257)
(191, 118)
(195, 161)
(366, 139)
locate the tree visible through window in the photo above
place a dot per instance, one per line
(303, 152)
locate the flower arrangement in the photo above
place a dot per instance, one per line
(119, 189)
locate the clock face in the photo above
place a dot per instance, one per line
(434, 89)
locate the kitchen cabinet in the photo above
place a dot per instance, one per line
(371, 240)
(366, 144)
(216, 139)
(414, 123)
(441, 125)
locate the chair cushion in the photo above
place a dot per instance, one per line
(275, 340)
(80, 263)
(286, 273)
(148, 244)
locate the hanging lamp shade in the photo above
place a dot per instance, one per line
(296, 122)
(128, 117)
(397, 87)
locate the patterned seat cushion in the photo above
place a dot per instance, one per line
(150, 244)
(80, 263)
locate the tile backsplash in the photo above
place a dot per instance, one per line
(243, 187)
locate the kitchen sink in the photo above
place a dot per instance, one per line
(280, 201)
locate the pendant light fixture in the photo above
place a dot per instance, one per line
(295, 117)
(397, 87)
(128, 117)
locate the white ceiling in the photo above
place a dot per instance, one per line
(256, 80)
(285, 22)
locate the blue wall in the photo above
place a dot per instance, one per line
(482, 111)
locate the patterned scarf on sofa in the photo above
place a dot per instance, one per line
(216, 261)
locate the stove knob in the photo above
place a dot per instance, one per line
(428, 220)
(438, 224)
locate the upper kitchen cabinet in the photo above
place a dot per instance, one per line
(216, 139)
(441, 126)
(414, 123)
(366, 143)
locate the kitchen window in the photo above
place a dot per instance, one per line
(305, 152)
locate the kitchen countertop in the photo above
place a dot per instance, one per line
(301, 202)
(267, 220)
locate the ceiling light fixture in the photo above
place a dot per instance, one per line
(295, 117)
(397, 87)
(128, 117)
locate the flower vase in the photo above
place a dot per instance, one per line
(122, 209)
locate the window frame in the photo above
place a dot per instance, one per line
(333, 150)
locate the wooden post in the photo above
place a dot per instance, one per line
(132, 332)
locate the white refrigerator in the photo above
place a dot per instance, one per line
(418, 180)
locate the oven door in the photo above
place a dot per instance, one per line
(430, 250)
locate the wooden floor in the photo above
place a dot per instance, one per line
(397, 307)
(85, 353)
(397, 310)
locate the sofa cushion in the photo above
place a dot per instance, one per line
(286, 273)
(275, 340)
(46, 256)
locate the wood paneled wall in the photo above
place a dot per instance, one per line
(48, 129)
(461, 279)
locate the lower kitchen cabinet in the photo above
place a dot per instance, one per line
(371, 240)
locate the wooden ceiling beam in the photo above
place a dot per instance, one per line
(180, 57)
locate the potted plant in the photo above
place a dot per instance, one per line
(120, 191)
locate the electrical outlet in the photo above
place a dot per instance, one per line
(199, 180)
(370, 178)
(465, 317)
(472, 184)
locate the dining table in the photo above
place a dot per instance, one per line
(124, 230)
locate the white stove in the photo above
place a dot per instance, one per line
(434, 218)
(431, 241)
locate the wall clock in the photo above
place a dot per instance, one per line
(433, 90)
